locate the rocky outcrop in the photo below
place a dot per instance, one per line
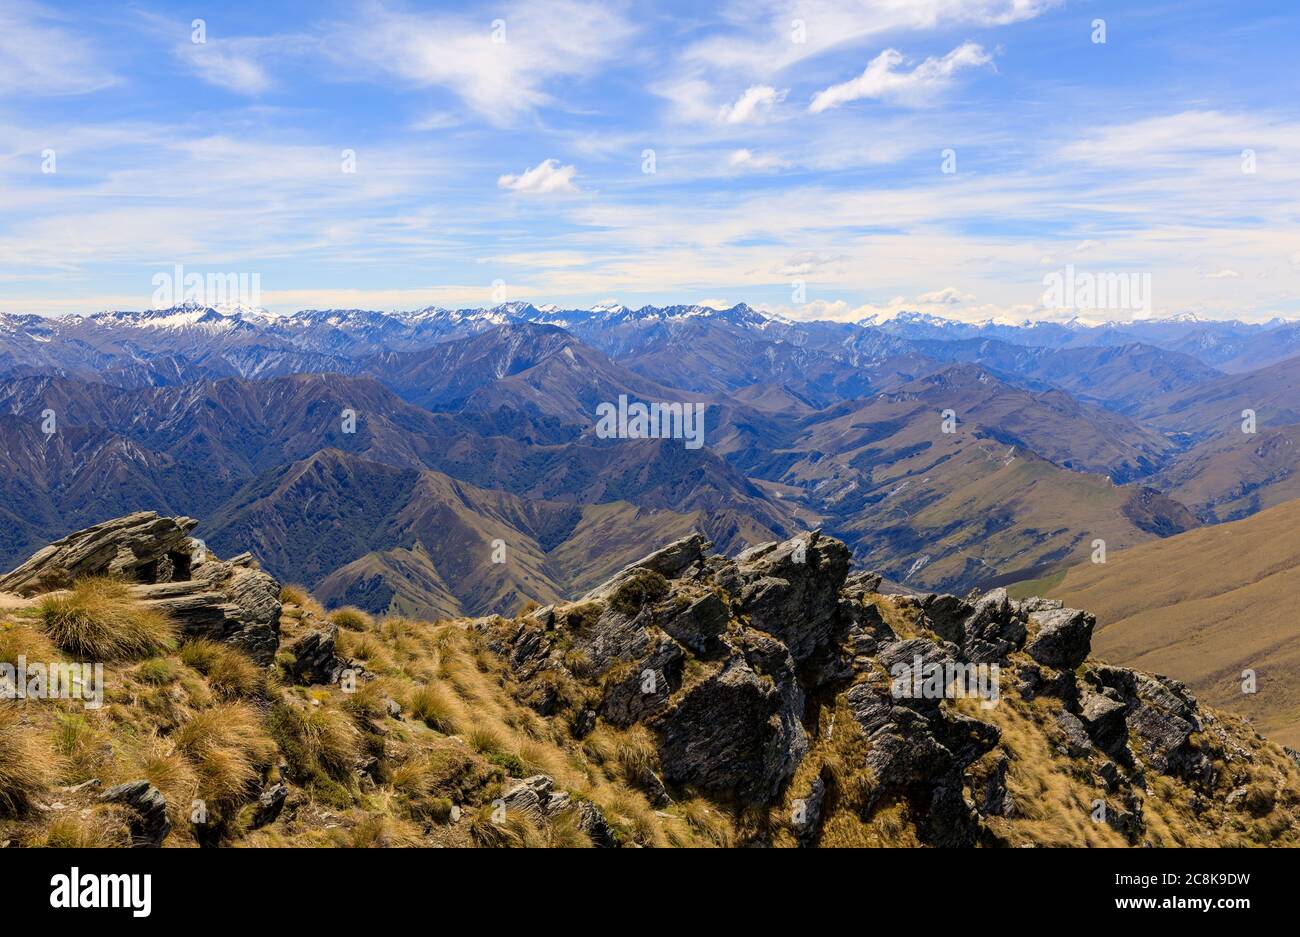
(537, 799)
(223, 600)
(315, 659)
(141, 547)
(149, 823)
(731, 664)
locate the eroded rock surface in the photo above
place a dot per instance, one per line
(735, 665)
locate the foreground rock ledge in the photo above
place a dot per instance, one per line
(232, 601)
(736, 666)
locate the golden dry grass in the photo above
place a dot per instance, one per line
(100, 620)
(28, 765)
(1204, 607)
(229, 671)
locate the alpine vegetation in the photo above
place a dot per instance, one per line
(922, 679)
(638, 420)
(23, 680)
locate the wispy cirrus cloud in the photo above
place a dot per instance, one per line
(233, 64)
(884, 80)
(42, 55)
(500, 67)
(772, 35)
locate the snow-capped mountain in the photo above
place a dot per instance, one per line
(158, 345)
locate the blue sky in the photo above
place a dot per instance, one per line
(798, 153)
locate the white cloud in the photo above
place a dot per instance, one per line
(39, 57)
(765, 47)
(807, 262)
(881, 80)
(948, 296)
(752, 106)
(1223, 275)
(546, 178)
(228, 64)
(749, 161)
(501, 73)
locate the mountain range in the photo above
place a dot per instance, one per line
(383, 458)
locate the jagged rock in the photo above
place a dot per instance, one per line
(986, 629)
(945, 616)
(1108, 776)
(591, 820)
(231, 601)
(645, 687)
(862, 583)
(669, 562)
(698, 623)
(131, 547)
(1163, 716)
(1062, 639)
(1078, 744)
(993, 629)
(255, 624)
(807, 819)
(315, 659)
(735, 647)
(1034, 681)
(269, 804)
(537, 798)
(906, 736)
(530, 796)
(673, 560)
(150, 825)
(1103, 718)
(738, 730)
(867, 632)
(791, 590)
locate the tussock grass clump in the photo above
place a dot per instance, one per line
(28, 764)
(316, 740)
(351, 618)
(436, 708)
(641, 587)
(100, 829)
(226, 745)
(159, 761)
(83, 746)
(20, 640)
(100, 620)
(294, 595)
(158, 671)
(486, 740)
(513, 831)
(230, 673)
(376, 831)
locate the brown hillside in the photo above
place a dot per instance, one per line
(1205, 606)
